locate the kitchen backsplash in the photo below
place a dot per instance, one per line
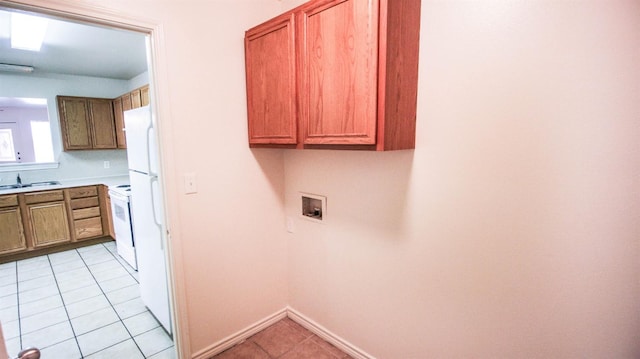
(75, 165)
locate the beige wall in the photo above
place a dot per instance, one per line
(228, 240)
(513, 229)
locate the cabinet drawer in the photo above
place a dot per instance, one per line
(86, 212)
(47, 196)
(9, 200)
(84, 202)
(81, 192)
(89, 227)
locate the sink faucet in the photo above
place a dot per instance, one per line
(19, 180)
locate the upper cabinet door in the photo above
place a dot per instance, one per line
(74, 121)
(86, 123)
(271, 82)
(118, 117)
(339, 71)
(103, 125)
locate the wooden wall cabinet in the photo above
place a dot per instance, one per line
(47, 218)
(271, 82)
(354, 80)
(134, 99)
(118, 117)
(12, 238)
(144, 95)
(86, 123)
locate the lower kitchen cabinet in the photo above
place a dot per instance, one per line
(85, 207)
(33, 223)
(48, 219)
(49, 224)
(12, 238)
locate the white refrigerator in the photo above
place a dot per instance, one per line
(146, 213)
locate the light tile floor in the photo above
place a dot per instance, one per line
(81, 303)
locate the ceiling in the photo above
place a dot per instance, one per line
(78, 49)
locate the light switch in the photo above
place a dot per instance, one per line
(190, 184)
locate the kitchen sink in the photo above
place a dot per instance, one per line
(23, 185)
(44, 183)
(13, 186)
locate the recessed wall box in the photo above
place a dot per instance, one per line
(314, 207)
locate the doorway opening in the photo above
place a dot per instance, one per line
(110, 77)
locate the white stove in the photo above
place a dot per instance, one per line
(120, 208)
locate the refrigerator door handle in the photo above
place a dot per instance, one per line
(153, 179)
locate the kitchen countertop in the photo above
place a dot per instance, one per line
(107, 181)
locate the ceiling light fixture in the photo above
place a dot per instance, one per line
(27, 31)
(16, 68)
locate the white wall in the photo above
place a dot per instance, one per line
(512, 229)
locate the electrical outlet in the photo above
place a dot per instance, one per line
(107, 164)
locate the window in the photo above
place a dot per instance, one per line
(25, 131)
(7, 149)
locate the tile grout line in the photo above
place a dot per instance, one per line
(18, 305)
(111, 304)
(64, 305)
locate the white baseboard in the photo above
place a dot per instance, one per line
(294, 315)
(327, 335)
(240, 336)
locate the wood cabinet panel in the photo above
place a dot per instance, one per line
(74, 115)
(45, 196)
(10, 200)
(12, 238)
(339, 72)
(144, 96)
(103, 125)
(126, 102)
(81, 192)
(270, 49)
(136, 101)
(107, 216)
(84, 202)
(118, 118)
(398, 78)
(88, 228)
(49, 223)
(83, 213)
